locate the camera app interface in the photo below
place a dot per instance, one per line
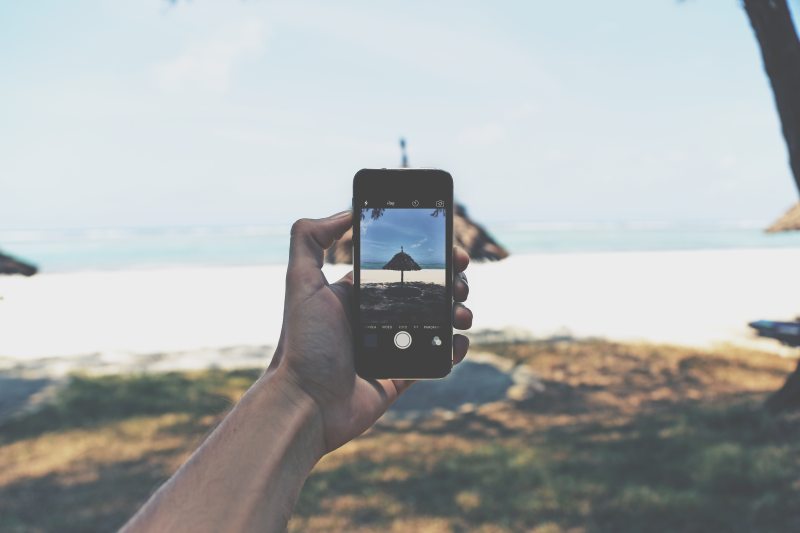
(403, 288)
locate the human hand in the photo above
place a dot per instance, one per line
(315, 352)
(248, 473)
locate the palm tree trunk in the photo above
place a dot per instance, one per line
(780, 50)
(788, 396)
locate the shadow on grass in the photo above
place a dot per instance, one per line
(103, 502)
(90, 401)
(637, 462)
(697, 468)
(18, 392)
(470, 382)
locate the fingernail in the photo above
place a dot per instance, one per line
(464, 278)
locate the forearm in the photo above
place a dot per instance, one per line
(248, 474)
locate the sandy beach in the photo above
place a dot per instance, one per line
(426, 275)
(181, 317)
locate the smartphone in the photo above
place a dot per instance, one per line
(403, 273)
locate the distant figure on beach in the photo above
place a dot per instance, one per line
(248, 473)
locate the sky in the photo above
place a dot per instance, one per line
(420, 235)
(148, 113)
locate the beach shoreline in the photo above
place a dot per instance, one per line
(426, 275)
(692, 298)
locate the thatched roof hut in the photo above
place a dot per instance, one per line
(474, 238)
(790, 221)
(467, 234)
(11, 265)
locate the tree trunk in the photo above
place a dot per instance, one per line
(780, 50)
(402, 282)
(788, 396)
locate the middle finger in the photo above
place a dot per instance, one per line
(460, 287)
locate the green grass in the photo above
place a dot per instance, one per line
(625, 438)
(698, 470)
(95, 451)
(90, 401)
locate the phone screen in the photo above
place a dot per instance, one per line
(403, 274)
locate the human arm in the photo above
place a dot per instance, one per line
(248, 474)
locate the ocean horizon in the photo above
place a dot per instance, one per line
(378, 265)
(81, 249)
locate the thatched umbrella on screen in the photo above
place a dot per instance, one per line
(402, 262)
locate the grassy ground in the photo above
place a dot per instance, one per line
(625, 438)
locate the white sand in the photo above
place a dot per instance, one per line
(695, 298)
(426, 275)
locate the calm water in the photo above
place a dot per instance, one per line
(108, 249)
(372, 265)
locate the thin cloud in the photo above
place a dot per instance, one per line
(483, 135)
(210, 65)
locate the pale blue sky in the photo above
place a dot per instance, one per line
(142, 113)
(414, 230)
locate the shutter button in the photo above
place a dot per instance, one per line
(402, 340)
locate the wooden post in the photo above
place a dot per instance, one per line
(403, 154)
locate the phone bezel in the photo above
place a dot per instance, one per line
(402, 184)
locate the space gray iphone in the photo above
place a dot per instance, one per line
(403, 273)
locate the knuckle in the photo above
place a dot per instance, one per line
(468, 313)
(463, 315)
(301, 227)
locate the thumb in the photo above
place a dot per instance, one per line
(309, 240)
(343, 289)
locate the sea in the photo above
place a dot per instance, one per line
(81, 249)
(378, 265)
